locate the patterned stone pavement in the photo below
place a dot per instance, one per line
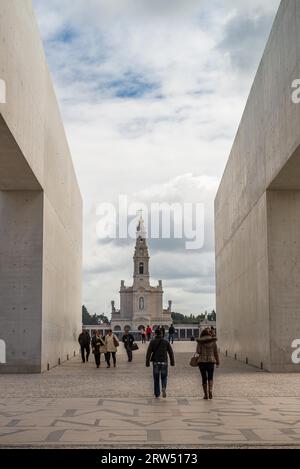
(147, 422)
(76, 405)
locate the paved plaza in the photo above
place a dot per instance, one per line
(78, 405)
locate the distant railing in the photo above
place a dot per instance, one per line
(183, 333)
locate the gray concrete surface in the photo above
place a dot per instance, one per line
(74, 379)
(40, 206)
(76, 405)
(257, 212)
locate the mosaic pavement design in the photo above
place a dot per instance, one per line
(148, 422)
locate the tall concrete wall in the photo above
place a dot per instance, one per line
(257, 211)
(40, 206)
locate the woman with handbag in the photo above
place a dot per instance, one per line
(111, 344)
(208, 357)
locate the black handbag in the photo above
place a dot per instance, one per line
(134, 347)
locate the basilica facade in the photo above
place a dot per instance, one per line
(141, 304)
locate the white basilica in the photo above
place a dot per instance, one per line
(141, 304)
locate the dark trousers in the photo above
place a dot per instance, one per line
(171, 338)
(207, 372)
(143, 339)
(160, 373)
(148, 337)
(107, 357)
(84, 348)
(97, 359)
(129, 353)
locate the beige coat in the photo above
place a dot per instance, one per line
(109, 343)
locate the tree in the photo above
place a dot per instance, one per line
(94, 320)
(182, 319)
(103, 319)
(212, 316)
(85, 316)
(191, 318)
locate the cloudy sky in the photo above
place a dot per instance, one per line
(151, 94)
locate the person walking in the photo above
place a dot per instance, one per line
(208, 357)
(171, 333)
(84, 340)
(143, 335)
(128, 340)
(163, 331)
(98, 347)
(148, 333)
(157, 353)
(111, 344)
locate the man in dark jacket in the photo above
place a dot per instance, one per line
(157, 353)
(84, 340)
(171, 333)
(128, 340)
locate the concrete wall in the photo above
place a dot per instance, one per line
(41, 206)
(242, 290)
(284, 275)
(257, 315)
(21, 271)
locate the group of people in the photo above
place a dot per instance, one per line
(159, 353)
(148, 333)
(107, 346)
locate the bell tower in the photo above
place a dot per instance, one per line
(141, 275)
(140, 304)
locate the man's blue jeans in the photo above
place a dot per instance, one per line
(160, 372)
(171, 338)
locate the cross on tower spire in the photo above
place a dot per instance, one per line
(140, 230)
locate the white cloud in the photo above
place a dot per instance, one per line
(151, 95)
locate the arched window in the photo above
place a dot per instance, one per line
(141, 303)
(117, 328)
(141, 268)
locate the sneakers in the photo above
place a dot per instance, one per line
(164, 392)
